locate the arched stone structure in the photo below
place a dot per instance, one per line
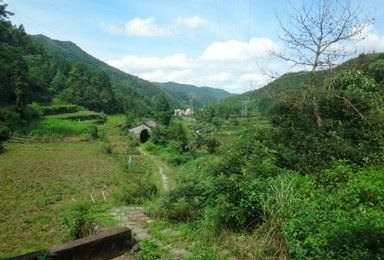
(142, 130)
(144, 136)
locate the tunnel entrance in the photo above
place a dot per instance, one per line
(144, 136)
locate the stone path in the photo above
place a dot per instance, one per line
(135, 218)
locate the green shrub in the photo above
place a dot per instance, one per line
(151, 147)
(4, 131)
(343, 220)
(183, 203)
(321, 229)
(91, 131)
(178, 159)
(33, 112)
(212, 145)
(78, 220)
(135, 185)
(149, 249)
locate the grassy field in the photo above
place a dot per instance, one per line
(39, 180)
(80, 114)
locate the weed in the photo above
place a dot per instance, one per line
(78, 220)
(46, 255)
(149, 249)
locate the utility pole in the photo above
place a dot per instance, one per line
(244, 110)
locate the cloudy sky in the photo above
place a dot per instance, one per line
(215, 43)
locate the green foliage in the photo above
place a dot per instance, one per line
(149, 249)
(78, 220)
(206, 254)
(352, 125)
(59, 109)
(224, 193)
(151, 147)
(135, 182)
(212, 145)
(340, 220)
(182, 158)
(163, 111)
(46, 255)
(61, 127)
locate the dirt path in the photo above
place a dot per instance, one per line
(159, 165)
(135, 218)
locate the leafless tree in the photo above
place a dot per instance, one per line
(315, 35)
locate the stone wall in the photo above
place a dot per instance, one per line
(105, 245)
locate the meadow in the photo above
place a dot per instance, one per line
(42, 181)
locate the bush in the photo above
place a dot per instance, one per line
(212, 145)
(183, 203)
(342, 220)
(4, 131)
(33, 113)
(178, 159)
(151, 147)
(321, 229)
(91, 131)
(78, 220)
(149, 249)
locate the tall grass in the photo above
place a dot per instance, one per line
(60, 127)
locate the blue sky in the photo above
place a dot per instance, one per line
(215, 43)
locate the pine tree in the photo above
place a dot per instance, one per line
(163, 111)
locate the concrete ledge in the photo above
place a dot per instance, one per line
(105, 245)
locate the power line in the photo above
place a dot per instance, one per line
(249, 20)
(41, 28)
(218, 19)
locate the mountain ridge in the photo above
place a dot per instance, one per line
(176, 93)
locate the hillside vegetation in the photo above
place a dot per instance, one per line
(275, 179)
(177, 94)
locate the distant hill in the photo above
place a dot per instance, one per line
(295, 81)
(203, 96)
(73, 53)
(177, 94)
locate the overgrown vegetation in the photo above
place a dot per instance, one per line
(300, 177)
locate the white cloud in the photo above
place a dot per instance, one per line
(193, 22)
(138, 28)
(237, 51)
(177, 61)
(215, 67)
(372, 42)
(155, 76)
(223, 76)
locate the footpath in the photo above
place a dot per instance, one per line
(134, 217)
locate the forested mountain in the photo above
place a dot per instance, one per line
(73, 53)
(202, 96)
(177, 94)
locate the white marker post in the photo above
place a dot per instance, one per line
(103, 195)
(92, 198)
